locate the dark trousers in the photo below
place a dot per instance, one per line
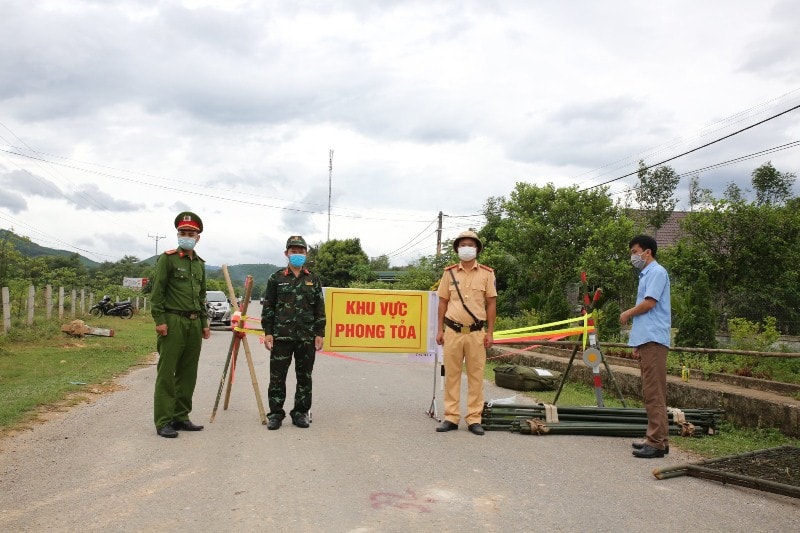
(653, 363)
(279, 361)
(178, 357)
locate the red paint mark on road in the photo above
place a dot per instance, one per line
(408, 501)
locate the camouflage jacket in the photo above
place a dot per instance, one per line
(294, 308)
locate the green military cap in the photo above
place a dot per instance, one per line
(296, 240)
(188, 220)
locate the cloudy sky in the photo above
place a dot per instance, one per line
(116, 115)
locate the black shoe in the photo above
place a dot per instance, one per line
(300, 420)
(274, 423)
(186, 425)
(446, 426)
(638, 445)
(167, 431)
(648, 452)
(476, 428)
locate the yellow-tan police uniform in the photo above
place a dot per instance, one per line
(476, 286)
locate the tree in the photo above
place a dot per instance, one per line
(536, 241)
(697, 324)
(750, 255)
(338, 261)
(655, 194)
(733, 193)
(380, 263)
(771, 186)
(697, 194)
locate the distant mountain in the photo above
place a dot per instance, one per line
(260, 272)
(31, 249)
(238, 273)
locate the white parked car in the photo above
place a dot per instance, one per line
(219, 308)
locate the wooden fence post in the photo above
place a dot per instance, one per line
(72, 302)
(6, 310)
(61, 303)
(48, 301)
(31, 295)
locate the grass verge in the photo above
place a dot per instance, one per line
(730, 440)
(43, 366)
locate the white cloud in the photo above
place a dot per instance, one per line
(229, 109)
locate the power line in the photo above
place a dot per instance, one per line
(767, 151)
(724, 122)
(211, 196)
(692, 150)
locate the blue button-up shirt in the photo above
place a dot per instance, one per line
(654, 325)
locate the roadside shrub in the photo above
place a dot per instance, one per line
(746, 335)
(608, 326)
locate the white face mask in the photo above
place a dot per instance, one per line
(467, 253)
(637, 261)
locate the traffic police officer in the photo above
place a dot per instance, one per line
(293, 318)
(467, 304)
(178, 308)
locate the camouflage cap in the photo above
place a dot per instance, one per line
(296, 240)
(469, 234)
(188, 220)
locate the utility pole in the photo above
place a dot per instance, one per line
(330, 180)
(439, 236)
(157, 237)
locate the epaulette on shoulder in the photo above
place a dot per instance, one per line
(451, 266)
(490, 269)
(170, 252)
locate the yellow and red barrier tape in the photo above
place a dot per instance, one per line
(238, 318)
(530, 332)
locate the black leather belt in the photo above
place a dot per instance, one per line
(185, 314)
(461, 328)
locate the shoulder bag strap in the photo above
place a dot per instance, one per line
(453, 276)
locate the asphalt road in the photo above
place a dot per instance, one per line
(371, 461)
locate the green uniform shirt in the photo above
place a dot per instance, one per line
(180, 285)
(294, 308)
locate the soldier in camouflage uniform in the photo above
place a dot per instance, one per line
(293, 318)
(178, 308)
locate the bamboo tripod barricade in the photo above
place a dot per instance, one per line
(238, 339)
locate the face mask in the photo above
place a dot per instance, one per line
(467, 253)
(637, 261)
(297, 260)
(187, 243)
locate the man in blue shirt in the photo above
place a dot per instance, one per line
(650, 338)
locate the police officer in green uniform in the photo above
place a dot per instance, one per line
(293, 318)
(178, 308)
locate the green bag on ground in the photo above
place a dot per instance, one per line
(524, 378)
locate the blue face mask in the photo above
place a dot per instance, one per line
(186, 243)
(297, 260)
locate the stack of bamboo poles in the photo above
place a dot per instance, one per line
(544, 419)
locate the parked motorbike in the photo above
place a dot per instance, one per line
(106, 307)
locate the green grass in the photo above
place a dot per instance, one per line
(729, 440)
(732, 440)
(40, 365)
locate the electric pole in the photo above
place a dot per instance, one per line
(157, 237)
(330, 179)
(439, 236)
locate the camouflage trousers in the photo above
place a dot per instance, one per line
(279, 361)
